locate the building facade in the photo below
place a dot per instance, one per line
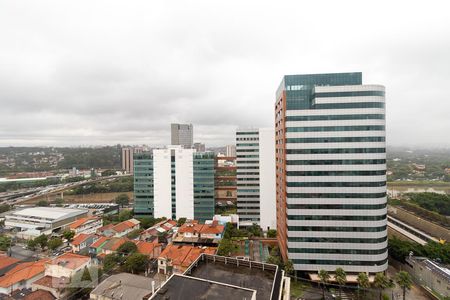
(331, 172)
(231, 151)
(182, 134)
(127, 158)
(199, 147)
(174, 183)
(255, 177)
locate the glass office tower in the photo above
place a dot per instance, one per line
(331, 172)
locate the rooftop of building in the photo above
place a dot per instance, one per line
(70, 260)
(50, 213)
(6, 261)
(185, 287)
(83, 221)
(431, 265)
(124, 286)
(81, 237)
(184, 255)
(195, 227)
(265, 279)
(21, 272)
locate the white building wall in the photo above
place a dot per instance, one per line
(162, 183)
(184, 183)
(267, 178)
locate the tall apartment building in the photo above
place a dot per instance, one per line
(127, 158)
(174, 183)
(182, 134)
(331, 172)
(199, 147)
(255, 173)
(230, 151)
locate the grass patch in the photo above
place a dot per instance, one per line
(298, 287)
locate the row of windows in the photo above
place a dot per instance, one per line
(337, 229)
(335, 128)
(336, 206)
(245, 133)
(336, 195)
(337, 162)
(336, 173)
(337, 251)
(247, 162)
(336, 117)
(246, 144)
(348, 94)
(247, 150)
(336, 240)
(339, 262)
(335, 151)
(350, 105)
(247, 156)
(337, 218)
(337, 184)
(337, 139)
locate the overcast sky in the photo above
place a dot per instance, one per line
(108, 72)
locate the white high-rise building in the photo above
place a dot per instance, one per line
(331, 173)
(230, 151)
(255, 173)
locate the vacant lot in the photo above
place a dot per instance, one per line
(89, 198)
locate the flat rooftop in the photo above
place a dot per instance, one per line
(181, 287)
(265, 279)
(51, 213)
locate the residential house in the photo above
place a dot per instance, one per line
(7, 263)
(176, 258)
(59, 271)
(202, 234)
(82, 241)
(163, 228)
(22, 276)
(87, 225)
(121, 229)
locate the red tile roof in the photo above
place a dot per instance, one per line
(117, 243)
(146, 247)
(190, 227)
(212, 229)
(81, 221)
(80, 238)
(123, 226)
(106, 227)
(199, 228)
(184, 255)
(70, 260)
(39, 295)
(100, 241)
(23, 271)
(6, 261)
(52, 282)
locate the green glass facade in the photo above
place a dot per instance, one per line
(204, 200)
(143, 185)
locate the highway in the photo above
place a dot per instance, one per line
(409, 231)
(31, 194)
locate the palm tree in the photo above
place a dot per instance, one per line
(324, 278)
(341, 279)
(404, 280)
(363, 282)
(381, 282)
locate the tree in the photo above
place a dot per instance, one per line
(289, 267)
(324, 278)
(31, 244)
(147, 222)
(341, 279)
(68, 235)
(4, 208)
(127, 248)
(122, 200)
(134, 234)
(5, 242)
(136, 262)
(381, 282)
(110, 262)
(363, 283)
(226, 247)
(54, 243)
(41, 241)
(125, 215)
(181, 221)
(404, 280)
(58, 201)
(108, 173)
(43, 203)
(254, 230)
(272, 233)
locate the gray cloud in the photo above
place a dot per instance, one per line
(106, 72)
